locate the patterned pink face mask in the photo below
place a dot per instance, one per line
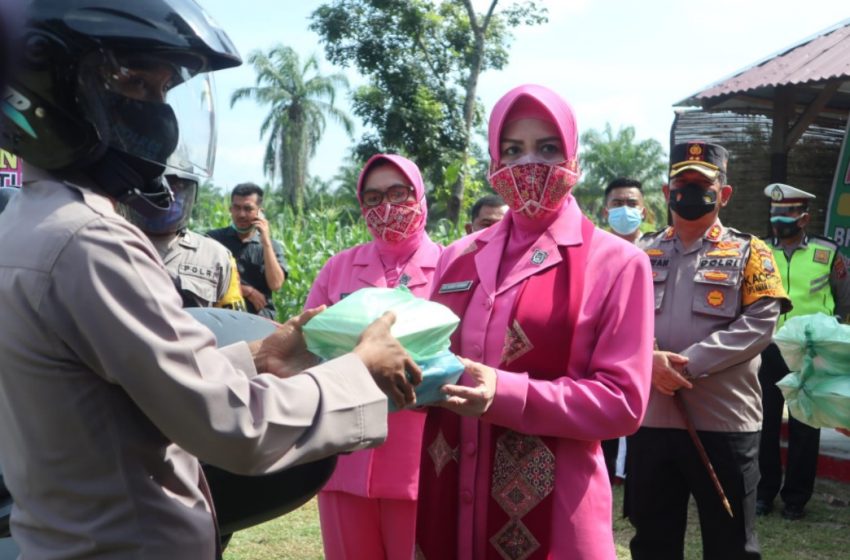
(394, 222)
(535, 189)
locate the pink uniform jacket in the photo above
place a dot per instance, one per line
(604, 396)
(391, 470)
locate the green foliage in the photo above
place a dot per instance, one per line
(330, 224)
(299, 99)
(606, 155)
(422, 59)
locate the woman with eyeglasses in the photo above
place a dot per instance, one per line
(368, 508)
(560, 315)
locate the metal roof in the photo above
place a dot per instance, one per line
(821, 59)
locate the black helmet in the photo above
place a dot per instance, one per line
(175, 218)
(99, 89)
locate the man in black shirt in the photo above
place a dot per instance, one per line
(259, 258)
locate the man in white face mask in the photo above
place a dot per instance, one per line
(624, 208)
(625, 212)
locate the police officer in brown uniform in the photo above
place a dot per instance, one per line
(202, 269)
(717, 299)
(814, 274)
(110, 392)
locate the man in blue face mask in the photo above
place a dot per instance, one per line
(814, 274)
(624, 208)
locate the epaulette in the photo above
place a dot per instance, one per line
(824, 239)
(741, 234)
(654, 233)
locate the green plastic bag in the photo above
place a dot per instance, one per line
(816, 349)
(423, 327)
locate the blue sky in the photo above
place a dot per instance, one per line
(617, 61)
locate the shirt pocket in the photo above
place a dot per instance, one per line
(201, 288)
(659, 284)
(717, 293)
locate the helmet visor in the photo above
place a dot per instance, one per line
(154, 107)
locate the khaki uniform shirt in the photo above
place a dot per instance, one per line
(716, 303)
(200, 266)
(109, 391)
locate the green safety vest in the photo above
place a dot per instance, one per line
(807, 282)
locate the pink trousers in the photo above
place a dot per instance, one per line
(357, 528)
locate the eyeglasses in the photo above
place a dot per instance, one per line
(396, 194)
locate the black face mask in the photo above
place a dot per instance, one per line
(144, 130)
(691, 201)
(785, 229)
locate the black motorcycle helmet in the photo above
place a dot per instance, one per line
(99, 89)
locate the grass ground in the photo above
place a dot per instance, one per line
(824, 534)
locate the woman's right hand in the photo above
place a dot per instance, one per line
(474, 400)
(392, 368)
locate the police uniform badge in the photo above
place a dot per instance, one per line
(821, 256)
(776, 194)
(714, 233)
(767, 264)
(715, 298)
(538, 256)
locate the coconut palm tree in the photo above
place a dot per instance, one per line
(299, 100)
(606, 155)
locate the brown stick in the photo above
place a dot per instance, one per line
(680, 404)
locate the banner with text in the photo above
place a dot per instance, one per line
(10, 170)
(838, 218)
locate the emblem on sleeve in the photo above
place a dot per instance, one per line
(839, 268)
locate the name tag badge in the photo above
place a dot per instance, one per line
(453, 287)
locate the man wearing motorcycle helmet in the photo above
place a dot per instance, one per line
(109, 391)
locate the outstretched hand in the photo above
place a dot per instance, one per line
(392, 368)
(284, 352)
(471, 400)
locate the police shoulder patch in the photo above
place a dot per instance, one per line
(821, 256)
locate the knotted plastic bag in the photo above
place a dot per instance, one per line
(816, 349)
(423, 327)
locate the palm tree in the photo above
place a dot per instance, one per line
(607, 155)
(299, 99)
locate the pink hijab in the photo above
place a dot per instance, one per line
(530, 101)
(538, 102)
(393, 254)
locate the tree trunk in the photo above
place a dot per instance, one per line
(456, 199)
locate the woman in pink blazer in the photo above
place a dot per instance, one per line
(561, 314)
(368, 508)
